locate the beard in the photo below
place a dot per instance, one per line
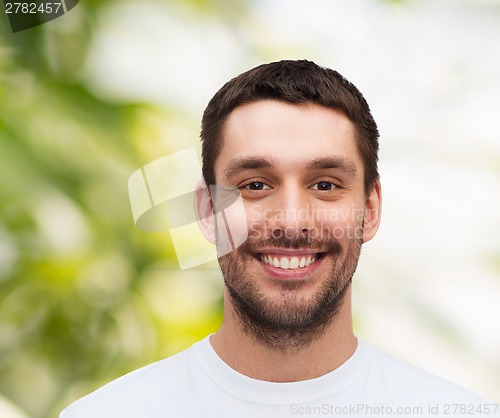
(293, 321)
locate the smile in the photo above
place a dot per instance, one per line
(289, 262)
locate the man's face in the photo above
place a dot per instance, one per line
(301, 179)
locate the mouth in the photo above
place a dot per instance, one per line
(288, 265)
(290, 262)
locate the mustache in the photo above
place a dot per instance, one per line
(292, 243)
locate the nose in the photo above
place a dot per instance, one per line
(293, 213)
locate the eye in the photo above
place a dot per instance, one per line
(256, 186)
(324, 186)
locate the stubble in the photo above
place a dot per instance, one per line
(290, 322)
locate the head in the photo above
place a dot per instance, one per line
(296, 82)
(298, 143)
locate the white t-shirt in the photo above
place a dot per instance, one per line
(197, 383)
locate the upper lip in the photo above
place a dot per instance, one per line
(287, 252)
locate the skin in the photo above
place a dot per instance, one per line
(300, 177)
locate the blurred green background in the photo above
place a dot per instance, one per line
(89, 98)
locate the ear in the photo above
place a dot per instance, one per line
(204, 209)
(373, 207)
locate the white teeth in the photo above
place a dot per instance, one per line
(284, 263)
(288, 263)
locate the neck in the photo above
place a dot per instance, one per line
(335, 345)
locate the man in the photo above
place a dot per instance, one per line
(299, 145)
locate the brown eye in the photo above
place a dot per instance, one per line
(256, 186)
(324, 186)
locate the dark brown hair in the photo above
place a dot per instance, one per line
(293, 82)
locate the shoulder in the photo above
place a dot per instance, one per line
(400, 380)
(137, 394)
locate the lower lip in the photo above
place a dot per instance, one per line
(290, 274)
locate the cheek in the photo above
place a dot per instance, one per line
(232, 227)
(259, 219)
(255, 214)
(339, 223)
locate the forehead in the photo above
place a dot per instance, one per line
(290, 134)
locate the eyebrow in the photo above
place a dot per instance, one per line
(256, 163)
(333, 162)
(250, 163)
